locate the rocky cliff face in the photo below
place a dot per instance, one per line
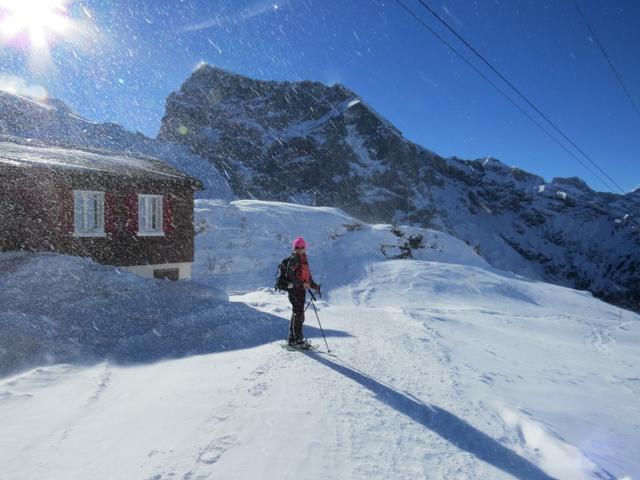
(309, 143)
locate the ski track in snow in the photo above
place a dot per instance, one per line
(103, 383)
(427, 376)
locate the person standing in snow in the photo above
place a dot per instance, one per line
(300, 280)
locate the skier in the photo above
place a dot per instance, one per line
(300, 280)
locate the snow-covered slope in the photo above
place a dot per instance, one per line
(441, 366)
(308, 143)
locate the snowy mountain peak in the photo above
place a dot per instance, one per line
(494, 163)
(211, 84)
(574, 183)
(8, 98)
(306, 142)
(25, 107)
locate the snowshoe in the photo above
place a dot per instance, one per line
(300, 345)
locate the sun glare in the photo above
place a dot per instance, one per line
(41, 21)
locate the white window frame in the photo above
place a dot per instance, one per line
(88, 213)
(146, 215)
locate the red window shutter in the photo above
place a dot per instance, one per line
(66, 206)
(110, 212)
(131, 211)
(167, 213)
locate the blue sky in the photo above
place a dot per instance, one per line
(135, 53)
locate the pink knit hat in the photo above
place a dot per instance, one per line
(299, 243)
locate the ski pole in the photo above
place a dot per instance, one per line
(313, 298)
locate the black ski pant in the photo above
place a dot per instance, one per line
(297, 297)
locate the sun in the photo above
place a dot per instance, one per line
(39, 22)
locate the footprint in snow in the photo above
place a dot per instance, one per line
(212, 452)
(258, 389)
(599, 337)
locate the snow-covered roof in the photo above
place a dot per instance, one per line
(24, 152)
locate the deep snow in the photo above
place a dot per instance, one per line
(443, 367)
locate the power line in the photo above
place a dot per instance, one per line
(524, 112)
(520, 94)
(607, 58)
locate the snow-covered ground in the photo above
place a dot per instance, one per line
(440, 366)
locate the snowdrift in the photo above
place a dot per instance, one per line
(63, 309)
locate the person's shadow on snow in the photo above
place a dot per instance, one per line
(447, 425)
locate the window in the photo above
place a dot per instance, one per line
(88, 213)
(168, 273)
(150, 215)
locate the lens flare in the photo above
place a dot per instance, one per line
(39, 21)
(39, 26)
